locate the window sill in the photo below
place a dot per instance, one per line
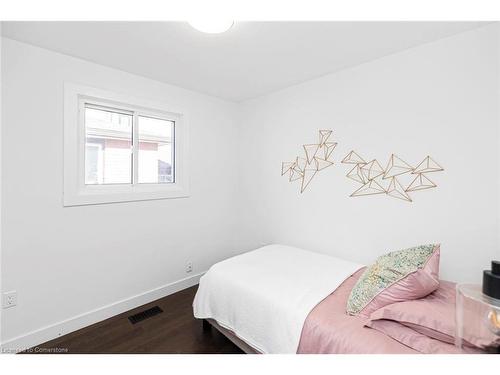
(103, 194)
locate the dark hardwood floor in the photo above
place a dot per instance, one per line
(175, 331)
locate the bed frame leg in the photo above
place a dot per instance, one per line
(206, 326)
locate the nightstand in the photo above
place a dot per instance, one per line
(477, 319)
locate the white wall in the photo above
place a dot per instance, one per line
(68, 261)
(1, 330)
(439, 99)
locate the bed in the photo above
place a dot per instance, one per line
(280, 299)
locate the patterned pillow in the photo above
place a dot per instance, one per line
(397, 276)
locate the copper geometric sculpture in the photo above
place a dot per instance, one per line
(372, 170)
(420, 182)
(396, 167)
(373, 177)
(317, 157)
(357, 175)
(396, 190)
(370, 188)
(427, 165)
(353, 158)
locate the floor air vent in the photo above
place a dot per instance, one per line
(143, 315)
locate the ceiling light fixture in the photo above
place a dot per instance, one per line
(212, 26)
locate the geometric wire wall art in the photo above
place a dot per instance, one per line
(398, 180)
(317, 156)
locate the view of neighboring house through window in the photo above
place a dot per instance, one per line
(110, 157)
(155, 150)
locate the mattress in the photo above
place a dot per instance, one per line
(264, 296)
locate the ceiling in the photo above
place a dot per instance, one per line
(249, 60)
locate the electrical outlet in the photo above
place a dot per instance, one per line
(189, 267)
(9, 299)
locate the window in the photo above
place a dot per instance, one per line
(119, 149)
(111, 156)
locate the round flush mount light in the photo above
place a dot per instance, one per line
(212, 26)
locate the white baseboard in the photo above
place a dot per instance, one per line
(64, 327)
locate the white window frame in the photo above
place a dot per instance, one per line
(76, 193)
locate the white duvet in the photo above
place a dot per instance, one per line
(264, 296)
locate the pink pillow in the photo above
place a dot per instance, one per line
(434, 316)
(401, 285)
(413, 339)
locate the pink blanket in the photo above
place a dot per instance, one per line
(328, 329)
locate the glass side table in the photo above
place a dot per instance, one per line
(477, 319)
